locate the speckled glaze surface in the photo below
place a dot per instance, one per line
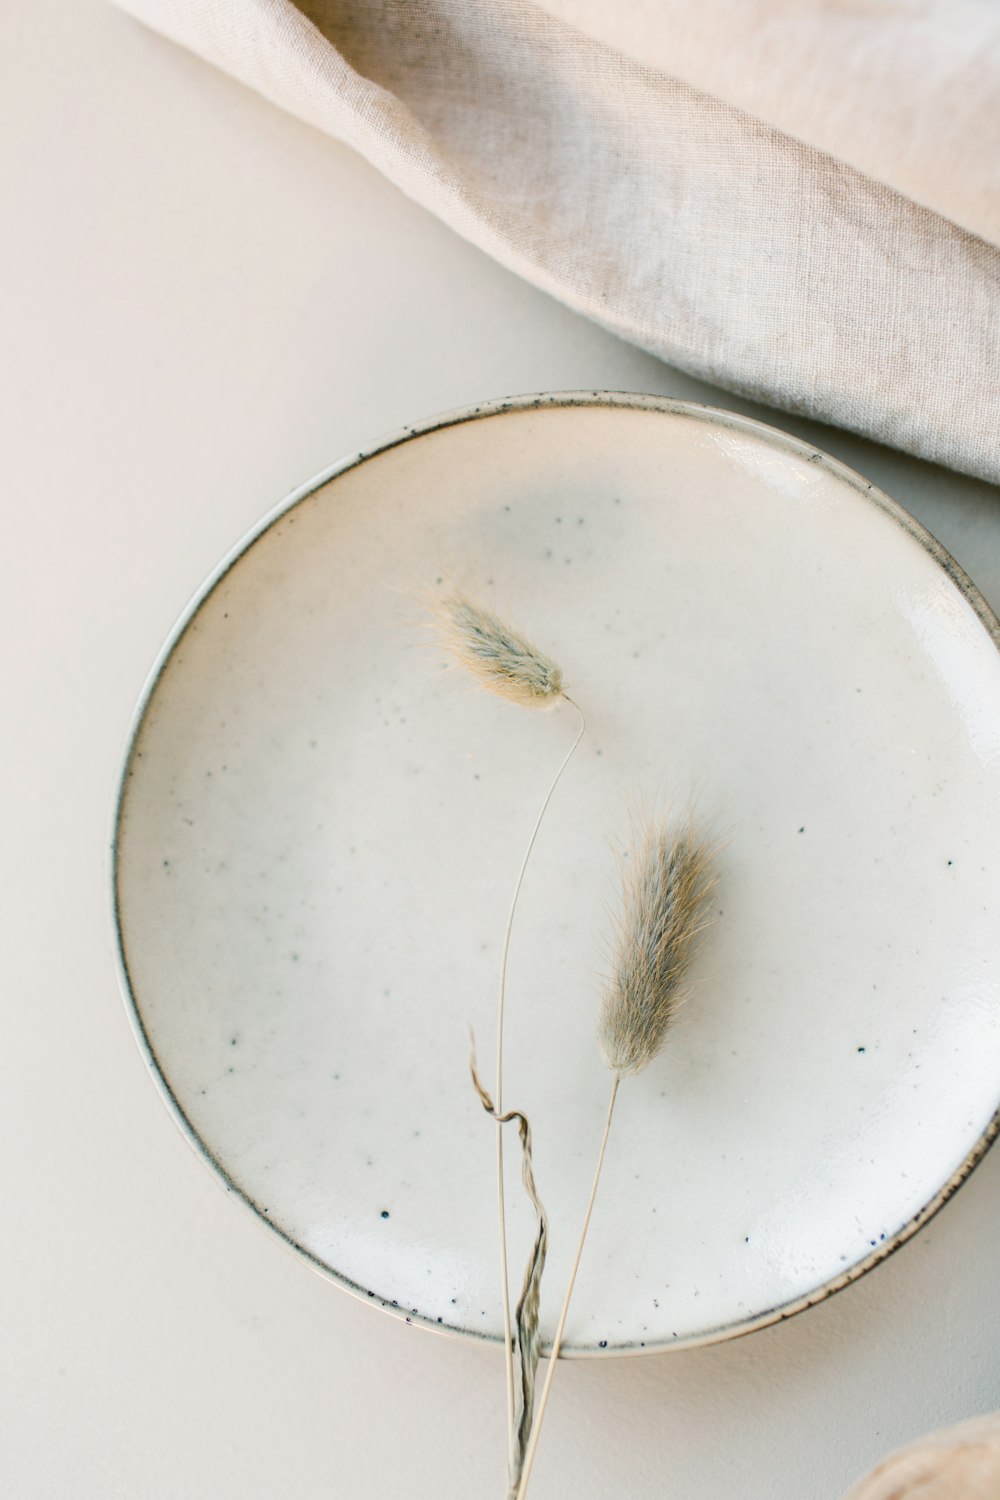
(320, 826)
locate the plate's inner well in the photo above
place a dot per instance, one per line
(322, 824)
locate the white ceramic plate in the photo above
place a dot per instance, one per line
(319, 829)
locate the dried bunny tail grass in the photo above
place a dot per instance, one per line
(666, 885)
(501, 658)
(504, 661)
(526, 1314)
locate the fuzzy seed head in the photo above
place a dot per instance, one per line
(500, 658)
(666, 884)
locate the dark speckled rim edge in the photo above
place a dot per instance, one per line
(625, 400)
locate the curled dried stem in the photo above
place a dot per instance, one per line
(526, 1314)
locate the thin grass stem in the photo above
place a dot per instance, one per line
(529, 1456)
(498, 1092)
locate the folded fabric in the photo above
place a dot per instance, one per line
(674, 218)
(907, 91)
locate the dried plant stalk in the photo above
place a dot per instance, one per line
(526, 1314)
(665, 889)
(512, 1418)
(504, 661)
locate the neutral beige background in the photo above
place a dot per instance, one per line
(204, 302)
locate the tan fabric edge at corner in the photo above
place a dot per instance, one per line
(907, 92)
(958, 1463)
(668, 216)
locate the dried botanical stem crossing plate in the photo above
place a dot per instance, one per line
(320, 827)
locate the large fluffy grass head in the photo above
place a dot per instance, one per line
(666, 884)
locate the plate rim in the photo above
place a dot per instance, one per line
(483, 410)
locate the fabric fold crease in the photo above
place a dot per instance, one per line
(671, 217)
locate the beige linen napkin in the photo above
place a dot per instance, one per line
(907, 91)
(731, 248)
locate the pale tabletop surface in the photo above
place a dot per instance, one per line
(205, 303)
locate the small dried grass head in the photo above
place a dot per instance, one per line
(499, 657)
(666, 884)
